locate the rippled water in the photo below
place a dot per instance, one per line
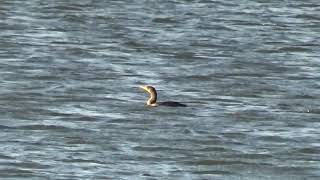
(71, 109)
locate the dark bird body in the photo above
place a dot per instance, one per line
(152, 101)
(172, 104)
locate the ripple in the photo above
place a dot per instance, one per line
(164, 20)
(16, 173)
(293, 49)
(216, 162)
(44, 127)
(213, 172)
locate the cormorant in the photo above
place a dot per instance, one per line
(152, 101)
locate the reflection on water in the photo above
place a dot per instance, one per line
(71, 107)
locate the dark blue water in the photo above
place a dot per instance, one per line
(71, 107)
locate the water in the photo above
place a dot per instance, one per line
(71, 107)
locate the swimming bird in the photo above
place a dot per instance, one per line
(152, 101)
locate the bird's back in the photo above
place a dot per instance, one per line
(172, 104)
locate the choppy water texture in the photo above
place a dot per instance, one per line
(248, 69)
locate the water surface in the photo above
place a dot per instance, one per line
(71, 108)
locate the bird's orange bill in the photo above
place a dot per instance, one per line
(144, 88)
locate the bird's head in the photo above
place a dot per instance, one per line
(149, 89)
(153, 95)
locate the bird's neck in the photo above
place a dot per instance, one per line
(152, 99)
